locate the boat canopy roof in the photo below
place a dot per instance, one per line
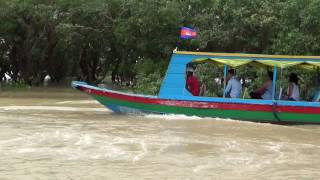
(238, 59)
(239, 62)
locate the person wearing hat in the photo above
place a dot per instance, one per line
(234, 87)
(192, 83)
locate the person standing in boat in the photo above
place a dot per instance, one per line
(265, 91)
(293, 89)
(192, 83)
(234, 87)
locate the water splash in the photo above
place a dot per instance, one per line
(172, 117)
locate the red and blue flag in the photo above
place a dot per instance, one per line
(188, 33)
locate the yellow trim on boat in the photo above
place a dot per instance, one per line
(245, 55)
(268, 62)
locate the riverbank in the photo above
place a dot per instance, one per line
(44, 92)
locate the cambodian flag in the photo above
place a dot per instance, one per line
(188, 33)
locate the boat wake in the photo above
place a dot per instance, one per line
(173, 117)
(182, 117)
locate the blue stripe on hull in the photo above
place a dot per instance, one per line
(127, 110)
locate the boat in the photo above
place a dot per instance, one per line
(173, 97)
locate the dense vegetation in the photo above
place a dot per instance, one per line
(131, 40)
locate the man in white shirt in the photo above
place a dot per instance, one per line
(234, 87)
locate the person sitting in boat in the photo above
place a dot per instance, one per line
(234, 87)
(293, 89)
(192, 83)
(265, 91)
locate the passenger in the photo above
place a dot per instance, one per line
(192, 83)
(234, 87)
(265, 91)
(293, 89)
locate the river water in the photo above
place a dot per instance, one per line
(63, 134)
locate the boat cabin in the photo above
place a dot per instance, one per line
(174, 83)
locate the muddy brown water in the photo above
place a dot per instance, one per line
(63, 134)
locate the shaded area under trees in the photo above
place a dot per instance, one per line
(131, 40)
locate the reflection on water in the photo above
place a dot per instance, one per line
(63, 137)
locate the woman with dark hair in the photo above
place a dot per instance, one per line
(293, 89)
(265, 91)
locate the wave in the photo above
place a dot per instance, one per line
(78, 102)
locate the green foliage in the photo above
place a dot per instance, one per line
(16, 86)
(149, 76)
(148, 83)
(211, 76)
(133, 39)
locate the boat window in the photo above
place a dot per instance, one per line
(308, 82)
(253, 74)
(211, 78)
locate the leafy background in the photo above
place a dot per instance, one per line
(128, 43)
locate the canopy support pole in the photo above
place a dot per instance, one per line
(318, 77)
(274, 82)
(225, 79)
(280, 84)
